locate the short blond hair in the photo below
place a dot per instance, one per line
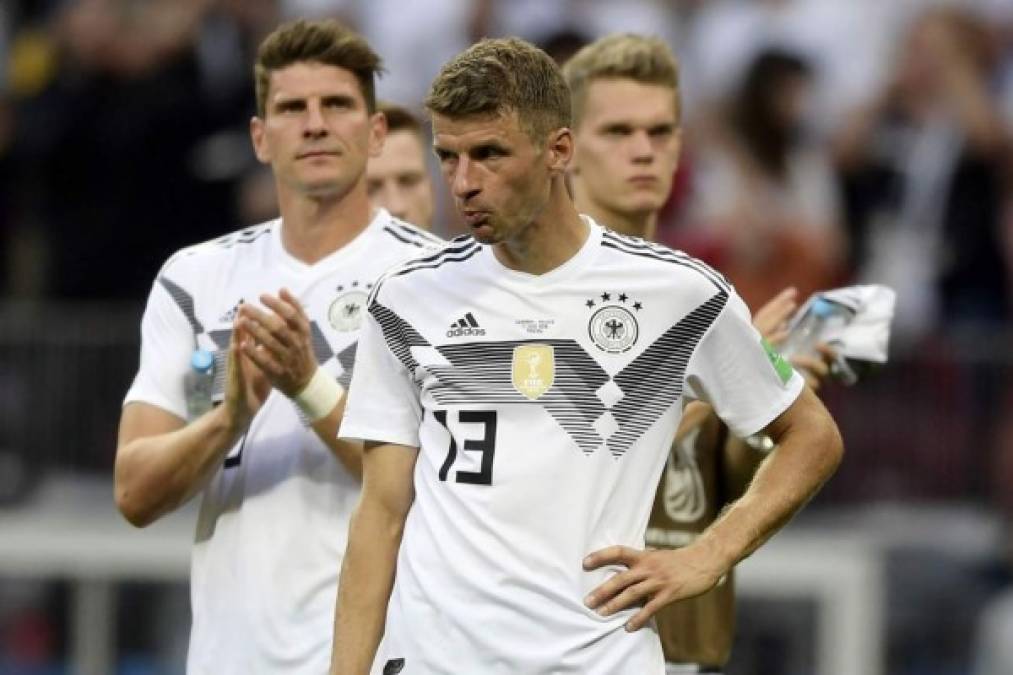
(500, 76)
(628, 56)
(325, 41)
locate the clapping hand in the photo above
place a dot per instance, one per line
(282, 343)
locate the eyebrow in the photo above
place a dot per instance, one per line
(339, 98)
(282, 100)
(490, 145)
(443, 153)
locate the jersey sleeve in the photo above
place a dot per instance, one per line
(167, 341)
(383, 402)
(734, 370)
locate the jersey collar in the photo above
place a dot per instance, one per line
(576, 264)
(349, 252)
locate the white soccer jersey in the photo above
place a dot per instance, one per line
(273, 521)
(544, 408)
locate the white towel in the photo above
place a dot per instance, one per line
(866, 336)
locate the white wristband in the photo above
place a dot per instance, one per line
(318, 398)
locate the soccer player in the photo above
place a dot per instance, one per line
(279, 305)
(517, 422)
(625, 93)
(398, 179)
(626, 127)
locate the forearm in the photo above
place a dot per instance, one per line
(349, 453)
(367, 577)
(739, 464)
(156, 474)
(793, 472)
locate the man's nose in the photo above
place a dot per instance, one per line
(464, 184)
(315, 127)
(641, 146)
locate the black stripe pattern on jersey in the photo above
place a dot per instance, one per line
(404, 238)
(247, 236)
(653, 381)
(346, 357)
(399, 335)
(457, 250)
(184, 300)
(646, 249)
(482, 373)
(410, 234)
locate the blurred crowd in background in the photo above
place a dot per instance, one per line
(826, 142)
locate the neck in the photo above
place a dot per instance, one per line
(552, 238)
(643, 224)
(317, 226)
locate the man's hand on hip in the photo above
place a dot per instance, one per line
(653, 579)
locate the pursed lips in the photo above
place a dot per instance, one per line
(473, 217)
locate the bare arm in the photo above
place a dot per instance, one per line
(808, 450)
(284, 352)
(367, 575)
(349, 453)
(161, 461)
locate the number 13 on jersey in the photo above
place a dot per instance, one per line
(478, 423)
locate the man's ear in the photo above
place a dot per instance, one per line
(377, 133)
(560, 150)
(259, 138)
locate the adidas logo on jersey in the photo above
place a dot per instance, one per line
(464, 327)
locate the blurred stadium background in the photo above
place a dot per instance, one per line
(826, 142)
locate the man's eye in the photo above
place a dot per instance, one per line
(488, 153)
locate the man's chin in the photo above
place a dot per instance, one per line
(322, 189)
(644, 203)
(484, 235)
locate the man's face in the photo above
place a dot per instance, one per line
(500, 179)
(627, 145)
(316, 132)
(398, 181)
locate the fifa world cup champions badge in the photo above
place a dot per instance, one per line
(534, 369)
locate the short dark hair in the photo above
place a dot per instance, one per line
(326, 41)
(500, 76)
(399, 118)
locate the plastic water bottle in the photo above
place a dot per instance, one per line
(813, 327)
(198, 383)
(821, 316)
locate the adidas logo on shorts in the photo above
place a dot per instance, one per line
(465, 327)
